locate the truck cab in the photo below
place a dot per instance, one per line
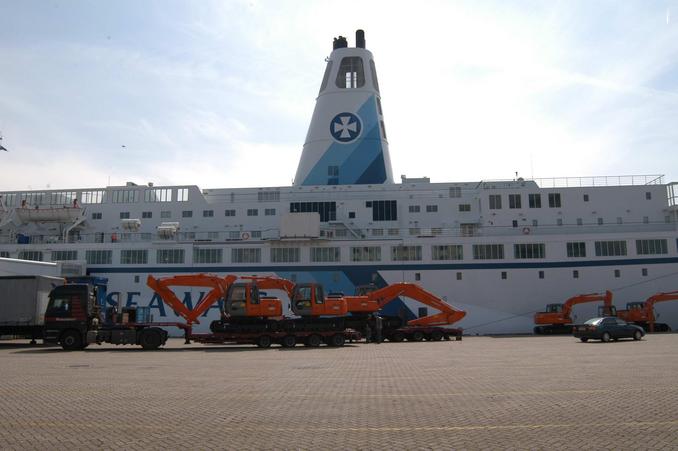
(71, 311)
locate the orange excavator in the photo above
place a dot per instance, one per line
(308, 300)
(556, 318)
(642, 313)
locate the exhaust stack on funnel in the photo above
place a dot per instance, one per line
(346, 141)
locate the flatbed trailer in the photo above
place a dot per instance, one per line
(286, 339)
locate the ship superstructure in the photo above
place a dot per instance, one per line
(500, 250)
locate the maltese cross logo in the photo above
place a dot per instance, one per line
(345, 127)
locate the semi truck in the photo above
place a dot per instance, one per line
(23, 301)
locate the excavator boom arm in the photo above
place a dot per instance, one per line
(583, 298)
(219, 287)
(448, 314)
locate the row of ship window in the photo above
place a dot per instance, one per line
(188, 213)
(542, 274)
(534, 200)
(357, 254)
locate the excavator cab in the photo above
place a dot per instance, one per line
(243, 299)
(554, 308)
(364, 290)
(308, 299)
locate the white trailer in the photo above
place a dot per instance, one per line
(23, 301)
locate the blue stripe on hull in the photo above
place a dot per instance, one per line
(370, 269)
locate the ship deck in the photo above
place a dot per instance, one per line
(480, 393)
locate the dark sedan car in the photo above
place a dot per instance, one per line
(606, 329)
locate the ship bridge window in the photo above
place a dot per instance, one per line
(351, 73)
(182, 195)
(158, 195)
(125, 196)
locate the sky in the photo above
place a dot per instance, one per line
(219, 94)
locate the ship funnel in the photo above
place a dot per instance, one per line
(360, 39)
(346, 141)
(339, 43)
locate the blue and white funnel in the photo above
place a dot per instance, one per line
(346, 142)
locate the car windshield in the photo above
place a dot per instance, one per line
(594, 321)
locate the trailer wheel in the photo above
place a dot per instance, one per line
(313, 340)
(289, 341)
(436, 335)
(71, 340)
(416, 336)
(337, 340)
(150, 340)
(397, 337)
(264, 341)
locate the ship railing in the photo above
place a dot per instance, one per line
(601, 180)
(364, 234)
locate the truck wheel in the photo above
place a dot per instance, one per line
(538, 330)
(313, 340)
(289, 341)
(397, 337)
(150, 340)
(436, 335)
(337, 340)
(264, 341)
(417, 336)
(71, 340)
